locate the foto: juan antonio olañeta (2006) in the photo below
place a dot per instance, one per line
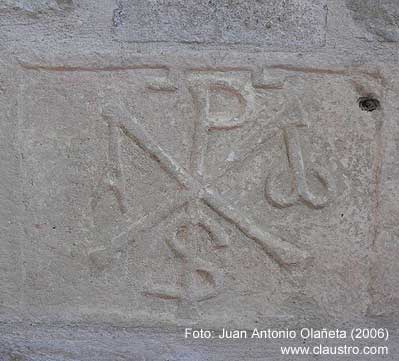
(304, 333)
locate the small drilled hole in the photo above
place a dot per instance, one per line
(368, 104)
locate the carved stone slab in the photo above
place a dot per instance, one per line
(207, 164)
(184, 194)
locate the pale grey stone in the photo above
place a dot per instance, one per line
(34, 7)
(263, 23)
(378, 17)
(204, 165)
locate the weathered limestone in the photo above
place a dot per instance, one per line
(195, 164)
(273, 24)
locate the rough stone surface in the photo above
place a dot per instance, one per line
(172, 164)
(381, 18)
(265, 23)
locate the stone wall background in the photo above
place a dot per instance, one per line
(87, 214)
